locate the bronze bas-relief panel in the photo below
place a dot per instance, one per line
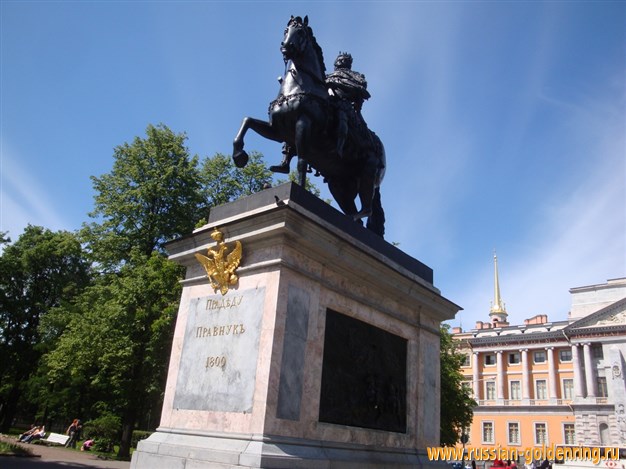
(364, 380)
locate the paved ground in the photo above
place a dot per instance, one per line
(58, 458)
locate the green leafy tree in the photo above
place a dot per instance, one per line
(223, 182)
(119, 330)
(152, 195)
(456, 402)
(40, 271)
(119, 343)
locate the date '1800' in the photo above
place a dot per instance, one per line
(215, 362)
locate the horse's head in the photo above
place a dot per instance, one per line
(296, 39)
(300, 46)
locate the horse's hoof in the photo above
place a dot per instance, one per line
(240, 157)
(283, 168)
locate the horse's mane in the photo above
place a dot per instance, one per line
(316, 47)
(318, 50)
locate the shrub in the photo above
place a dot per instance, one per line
(104, 430)
(139, 435)
(103, 445)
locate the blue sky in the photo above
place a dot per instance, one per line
(504, 123)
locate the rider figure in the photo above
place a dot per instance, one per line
(350, 89)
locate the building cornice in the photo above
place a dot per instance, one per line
(551, 337)
(534, 338)
(524, 409)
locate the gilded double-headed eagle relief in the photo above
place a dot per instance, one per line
(220, 266)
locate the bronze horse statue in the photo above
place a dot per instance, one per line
(304, 118)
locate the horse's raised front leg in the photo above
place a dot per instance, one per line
(263, 128)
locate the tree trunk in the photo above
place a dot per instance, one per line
(9, 409)
(128, 425)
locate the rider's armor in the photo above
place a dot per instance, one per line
(349, 89)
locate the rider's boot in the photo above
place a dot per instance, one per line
(283, 167)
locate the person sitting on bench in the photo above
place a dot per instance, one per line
(36, 435)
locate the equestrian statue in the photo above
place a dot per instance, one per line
(318, 118)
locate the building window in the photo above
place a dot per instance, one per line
(487, 432)
(490, 390)
(597, 351)
(466, 360)
(490, 359)
(604, 434)
(514, 358)
(565, 355)
(516, 390)
(514, 433)
(540, 356)
(568, 388)
(541, 434)
(540, 389)
(569, 434)
(602, 389)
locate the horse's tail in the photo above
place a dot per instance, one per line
(376, 221)
(382, 159)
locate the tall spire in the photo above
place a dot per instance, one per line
(498, 311)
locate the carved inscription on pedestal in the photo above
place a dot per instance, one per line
(218, 362)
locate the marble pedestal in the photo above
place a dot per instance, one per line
(325, 354)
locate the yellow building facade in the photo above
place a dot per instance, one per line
(548, 383)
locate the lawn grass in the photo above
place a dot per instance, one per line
(13, 449)
(8, 448)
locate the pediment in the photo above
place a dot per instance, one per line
(611, 315)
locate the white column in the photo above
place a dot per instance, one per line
(578, 373)
(525, 375)
(476, 376)
(500, 368)
(589, 371)
(552, 393)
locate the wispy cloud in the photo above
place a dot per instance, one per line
(414, 112)
(21, 199)
(579, 237)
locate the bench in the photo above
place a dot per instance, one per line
(56, 438)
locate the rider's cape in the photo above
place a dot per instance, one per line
(350, 85)
(349, 92)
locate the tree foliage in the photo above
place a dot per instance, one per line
(119, 331)
(105, 430)
(91, 326)
(119, 343)
(456, 402)
(153, 194)
(223, 182)
(40, 271)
